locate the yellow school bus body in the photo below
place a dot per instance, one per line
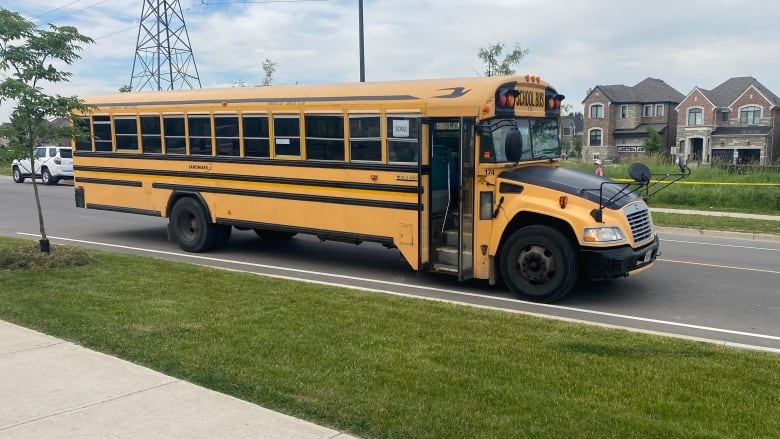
(344, 187)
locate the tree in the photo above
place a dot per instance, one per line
(653, 143)
(269, 67)
(27, 60)
(490, 59)
(125, 89)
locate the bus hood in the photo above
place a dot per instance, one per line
(576, 183)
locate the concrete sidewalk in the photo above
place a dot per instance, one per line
(50, 388)
(717, 213)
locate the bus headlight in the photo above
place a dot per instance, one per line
(602, 234)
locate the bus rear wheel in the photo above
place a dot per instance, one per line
(191, 228)
(538, 263)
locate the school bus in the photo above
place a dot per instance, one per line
(460, 175)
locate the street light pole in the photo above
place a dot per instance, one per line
(362, 56)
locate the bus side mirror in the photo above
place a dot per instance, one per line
(639, 172)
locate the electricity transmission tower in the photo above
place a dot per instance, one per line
(163, 55)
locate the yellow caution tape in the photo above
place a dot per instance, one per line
(713, 183)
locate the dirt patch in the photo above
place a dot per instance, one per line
(30, 257)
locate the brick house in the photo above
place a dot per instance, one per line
(617, 118)
(732, 123)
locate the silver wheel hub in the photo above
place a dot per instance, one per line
(536, 264)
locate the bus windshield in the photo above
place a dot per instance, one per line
(514, 140)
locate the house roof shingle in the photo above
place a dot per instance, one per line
(726, 93)
(647, 91)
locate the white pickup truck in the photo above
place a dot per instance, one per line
(52, 164)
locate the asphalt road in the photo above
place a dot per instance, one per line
(712, 287)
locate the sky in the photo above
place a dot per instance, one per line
(573, 45)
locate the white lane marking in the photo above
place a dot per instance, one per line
(730, 267)
(746, 247)
(422, 287)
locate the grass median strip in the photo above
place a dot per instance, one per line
(389, 367)
(731, 224)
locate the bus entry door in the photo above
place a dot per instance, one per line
(452, 195)
(466, 200)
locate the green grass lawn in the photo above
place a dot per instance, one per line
(746, 225)
(382, 366)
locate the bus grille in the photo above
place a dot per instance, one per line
(640, 222)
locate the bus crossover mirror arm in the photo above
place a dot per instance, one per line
(642, 177)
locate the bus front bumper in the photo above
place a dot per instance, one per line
(611, 263)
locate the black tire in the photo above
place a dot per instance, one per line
(191, 228)
(538, 263)
(221, 235)
(17, 174)
(47, 178)
(273, 235)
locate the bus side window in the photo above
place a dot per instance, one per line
(403, 132)
(226, 134)
(101, 126)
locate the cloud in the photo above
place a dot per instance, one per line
(573, 45)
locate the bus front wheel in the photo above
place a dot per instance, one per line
(191, 228)
(539, 263)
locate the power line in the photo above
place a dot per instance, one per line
(56, 9)
(205, 3)
(72, 12)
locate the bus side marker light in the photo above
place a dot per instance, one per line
(563, 200)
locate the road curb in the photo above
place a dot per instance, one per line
(720, 233)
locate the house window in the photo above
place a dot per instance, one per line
(595, 138)
(694, 116)
(623, 111)
(647, 111)
(659, 110)
(596, 111)
(724, 116)
(750, 115)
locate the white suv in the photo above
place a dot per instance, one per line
(52, 164)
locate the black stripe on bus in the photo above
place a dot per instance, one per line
(326, 234)
(298, 100)
(109, 181)
(288, 196)
(123, 209)
(254, 179)
(361, 166)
